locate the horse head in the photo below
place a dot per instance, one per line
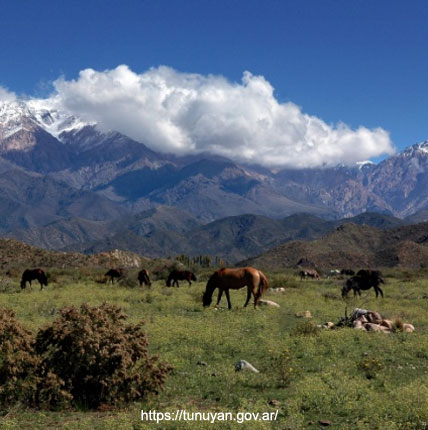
(192, 276)
(207, 298)
(347, 287)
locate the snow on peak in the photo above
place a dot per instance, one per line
(53, 120)
(23, 115)
(14, 116)
(362, 164)
(417, 148)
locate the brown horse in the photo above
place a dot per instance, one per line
(180, 275)
(225, 279)
(114, 274)
(31, 274)
(143, 278)
(309, 273)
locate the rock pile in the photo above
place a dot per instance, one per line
(363, 319)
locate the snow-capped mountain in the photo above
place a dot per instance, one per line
(37, 137)
(18, 115)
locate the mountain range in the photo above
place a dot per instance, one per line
(66, 184)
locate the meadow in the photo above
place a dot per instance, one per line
(350, 378)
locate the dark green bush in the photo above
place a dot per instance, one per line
(99, 358)
(18, 361)
(88, 357)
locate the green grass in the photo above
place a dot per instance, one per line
(326, 371)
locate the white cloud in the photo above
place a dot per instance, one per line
(6, 95)
(185, 113)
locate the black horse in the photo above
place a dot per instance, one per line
(32, 274)
(143, 278)
(180, 275)
(364, 280)
(114, 274)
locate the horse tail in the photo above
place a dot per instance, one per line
(263, 284)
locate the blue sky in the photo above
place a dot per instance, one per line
(360, 62)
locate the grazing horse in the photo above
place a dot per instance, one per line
(225, 279)
(114, 273)
(180, 275)
(309, 273)
(31, 274)
(364, 280)
(143, 278)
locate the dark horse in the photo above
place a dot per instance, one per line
(225, 279)
(180, 275)
(31, 274)
(364, 280)
(143, 278)
(114, 273)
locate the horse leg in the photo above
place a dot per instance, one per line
(229, 305)
(190, 284)
(256, 299)
(220, 293)
(248, 297)
(380, 291)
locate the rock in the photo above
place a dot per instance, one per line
(274, 403)
(305, 314)
(408, 328)
(374, 317)
(372, 327)
(278, 290)
(325, 423)
(268, 303)
(357, 324)
(202, 363)
(386, 323)
(244, 365)
(329, 325)
(357, 313)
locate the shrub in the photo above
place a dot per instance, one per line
(281, 362)
(370, 367)
(306, 328)
(90, 356)
(18, 361)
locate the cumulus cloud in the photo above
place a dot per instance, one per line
(186, 113)
(6, 95)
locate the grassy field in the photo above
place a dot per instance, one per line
(353, 379)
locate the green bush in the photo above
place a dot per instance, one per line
(98, 359)
(306, 328)
(281, 362)
(370, 367)
(17, 361)
(88, 357)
